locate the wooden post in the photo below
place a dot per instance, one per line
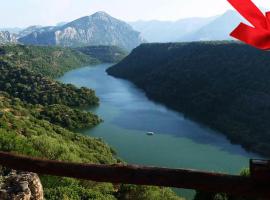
(260, 170)
(140, 175)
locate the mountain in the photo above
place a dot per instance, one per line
(7, 37)
(168, 31)
(102, 29)
(97, 29)
(61, 23)
(190, 29)
(29, 30)
(219, 29)
(224, 85)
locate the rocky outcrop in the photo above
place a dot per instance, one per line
(7, 37)
(21, 186)
(97, 29)
(29, 30)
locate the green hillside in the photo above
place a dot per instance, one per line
(49, 61)
(38, 89)
(224, 85)
(22, 132)
(106, 54)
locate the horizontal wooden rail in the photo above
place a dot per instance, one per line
(140, 175)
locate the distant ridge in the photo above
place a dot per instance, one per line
(190, 29)
(169, 31)
(218, 29)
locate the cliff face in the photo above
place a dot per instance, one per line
(6, 37)
(97, 29)
(21, 186)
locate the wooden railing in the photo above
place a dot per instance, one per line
(256, 185)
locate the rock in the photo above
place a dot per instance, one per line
(21, 186)
(7, 37)
(97, 29)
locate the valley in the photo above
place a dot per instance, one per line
(124, 100)
(223, 85)
(177, 143)
(90, 108)
(40, 116)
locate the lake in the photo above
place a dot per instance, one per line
(177, 143)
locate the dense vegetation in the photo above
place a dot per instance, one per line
(49, 61)
(37, 115)
(224, 85)
(37, 89)
(69, 118)
(106, 54)
(22, 132)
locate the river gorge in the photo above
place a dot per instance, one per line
(177, 143)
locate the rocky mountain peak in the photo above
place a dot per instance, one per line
(100, 14)
(97, 29)
(7, 37)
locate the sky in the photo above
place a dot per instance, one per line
(23, 13)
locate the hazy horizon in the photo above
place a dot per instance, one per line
(17, 13)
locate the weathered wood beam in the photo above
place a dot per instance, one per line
(260, 169)
(140, 175)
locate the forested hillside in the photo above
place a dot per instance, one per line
(106, 54)
(49, 61)
(22, 132)
(224, 85)
(38, 117)
(38, 89)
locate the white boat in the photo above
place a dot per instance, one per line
(150, 133)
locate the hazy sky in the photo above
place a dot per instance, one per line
(22, 13)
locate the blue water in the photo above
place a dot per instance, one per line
(178, 143)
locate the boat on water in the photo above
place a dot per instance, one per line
(150, 133)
